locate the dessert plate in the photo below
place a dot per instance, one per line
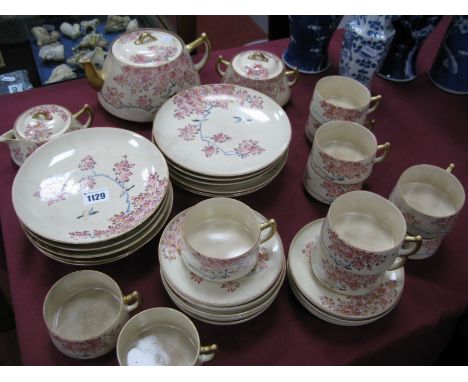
(90, 186)
(366, 306)
(217, 294)
(222, 130)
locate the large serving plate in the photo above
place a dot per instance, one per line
(90, 186)
(222, 130)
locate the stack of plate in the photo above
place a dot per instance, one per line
(93, 196)
(222, 139)
(220, 303)
(331, 306)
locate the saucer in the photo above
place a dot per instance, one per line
(217, 294)
(366, 306)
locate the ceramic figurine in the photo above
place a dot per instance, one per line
(117, 23)
(72, 31)
(89, 26)
(61, 73)
(43, 37)
(132, 25)
(410, 33)
(449, 71)
(308, 46)
(366, 41)
(52, 52)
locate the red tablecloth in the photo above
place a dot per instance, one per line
(424, 125)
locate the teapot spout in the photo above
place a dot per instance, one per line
(8, 137)
(93, 75)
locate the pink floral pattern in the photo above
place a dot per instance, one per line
(172, 241)
(87, 163)
(17, 154)
(332, 112)
(257, 71)
(351, 257)
(372, 303)
(200, 102)
(156, 54)
(262, 262)
(272, 87)
(230, 286)
(37, 131)
(195, 278)
(410, 219)
(445, 224)
(343, 170)
(307, 251)
(336, 189)
(49, 112)
(122, 170)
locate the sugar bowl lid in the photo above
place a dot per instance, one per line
(257, 64)
(147, 47)
(42, 123)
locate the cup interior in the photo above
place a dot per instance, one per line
(221, 228)
(348, 141)
(367, 221)
(157, 337)
(343, 91)
(431, 190)
(82, 305)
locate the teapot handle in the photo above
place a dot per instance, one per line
(221, 61)
(203, 39)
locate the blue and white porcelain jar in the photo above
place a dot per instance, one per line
(308, 45)
(411, 32)
(366, 42)
(449, 71)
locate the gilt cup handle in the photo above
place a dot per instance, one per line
(203, 39)
(89, 111)
(386, 149)
(292, 76)
(374, 103)
(451, 167)
(269, 224)
(221, 61)
(132, 301)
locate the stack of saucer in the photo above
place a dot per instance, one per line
(220, 302)
(93, 196)
(222, 139)
(329, 305)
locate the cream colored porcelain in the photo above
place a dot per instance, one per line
(259, 70)
(222, 237)
(143, 69)
(217, 294)
(364, 233)
(362, 307)
(339, 98)
(430, 199)
(161, 337)
(345, 152)
(84, 312)
(40, 124)
(90, 186)
(324, 190)
(428, 248)
(222, 130)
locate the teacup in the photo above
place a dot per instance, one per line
(222, 238)
(161, 337)
(338, 278)
(428, 248)
(40, 124)
(430, 198)
(364, 233)
(323, 190)
(84, 312)
(345, 152)
(339, 98)
(259, 70)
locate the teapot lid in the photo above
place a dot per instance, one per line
(257, 65)
(147, 47)
(42, 123)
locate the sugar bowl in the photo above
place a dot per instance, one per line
(40, 124)
(259, 70)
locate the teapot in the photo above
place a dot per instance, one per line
(143, 69)
(40, 124)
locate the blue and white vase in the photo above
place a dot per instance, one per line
(308, 45)
(411, 32)
(366, 41)
(449, 71)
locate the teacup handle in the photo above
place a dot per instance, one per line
(386, 149)
(203, 39)
(369, 124)
(374, 103)
(451, 167)
(88, 110)
(9, 136)
(294, 74)
(404, 253)
(132, 301)
(207, 353)
(221, 61)
(269, 224)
